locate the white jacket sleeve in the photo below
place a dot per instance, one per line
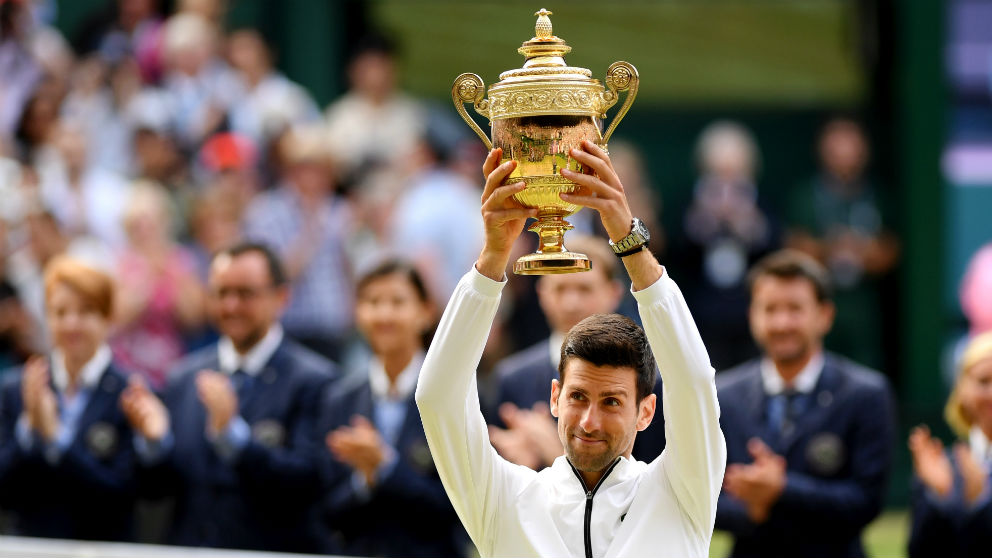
(695, 453)
(477, 480)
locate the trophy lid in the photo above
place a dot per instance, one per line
(544, 58)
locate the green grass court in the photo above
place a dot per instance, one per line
(886, 536)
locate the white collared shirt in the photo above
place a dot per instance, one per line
(981, 446)
(89, 375)
(804, 382)
(554, 346)
(254, 360)
(405, 383)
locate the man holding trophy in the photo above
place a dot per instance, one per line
(595, 500)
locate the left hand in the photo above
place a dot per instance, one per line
(972, 473)
(760, 484)
(218, 397)
(599, 189)
(359, 446)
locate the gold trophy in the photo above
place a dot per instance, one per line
(537, 113)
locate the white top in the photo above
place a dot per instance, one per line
(665, 508)
(255, 359)
(804, 382)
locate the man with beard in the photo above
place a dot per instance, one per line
(595, 500)
(809, 433)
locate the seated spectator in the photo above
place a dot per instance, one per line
(308, 227)
(840, 218)
(521, 427)
(66, 454)
(232, 439)
(725, 230)
(373, 124)
(809, 434)
(161, 298)
(390, 501)
(952, 500)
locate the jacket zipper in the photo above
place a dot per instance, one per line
(587, 526)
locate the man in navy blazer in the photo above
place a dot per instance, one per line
(233, 437)
(809, 434)
(526, 434)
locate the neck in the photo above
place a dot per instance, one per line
(74, 366)
(987, 430)
(243, 346)
(396, 362)
(789, 369)
(591, 478)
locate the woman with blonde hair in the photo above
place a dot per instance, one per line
(952, 496)
(66, 454)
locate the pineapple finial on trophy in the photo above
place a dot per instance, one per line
(542, 30)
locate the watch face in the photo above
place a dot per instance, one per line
(641, 230)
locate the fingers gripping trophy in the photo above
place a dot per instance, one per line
(538, 113)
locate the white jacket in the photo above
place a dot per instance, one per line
(665, 508)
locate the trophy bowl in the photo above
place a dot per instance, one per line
(537, 114)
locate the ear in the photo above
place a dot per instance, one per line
(645, 411)
(827, 313)
(282, 293)
(555, 392)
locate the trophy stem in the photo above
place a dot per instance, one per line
(551, 256)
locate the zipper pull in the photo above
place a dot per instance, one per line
(589, 495)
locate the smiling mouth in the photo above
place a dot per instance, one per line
(588, 440)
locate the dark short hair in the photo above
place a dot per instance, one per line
(395, 266)
(611, 340)
(793, 264)
(276, 271)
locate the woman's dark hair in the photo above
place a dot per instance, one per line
(611, 340)
(395, 266)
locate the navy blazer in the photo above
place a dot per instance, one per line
(525, 379)
(838, 458)
(89, 492)
(266, 498)
(407, 513)
(949, 526)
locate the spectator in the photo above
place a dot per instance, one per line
(521, 426)
(233, 438)
(161, 298)
(952, 506)
(374, 432)
(270, 102)
(308, 227)
(373, 124)
(840, 218)
(20, 70)
(726, 229)
(66, 455)
(809, 433)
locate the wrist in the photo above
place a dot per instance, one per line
(492, 265)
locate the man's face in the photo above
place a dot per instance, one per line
(243, 302)
(787, 320)
(598, 413)
(569, 298)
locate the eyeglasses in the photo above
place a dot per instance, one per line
(241, 293)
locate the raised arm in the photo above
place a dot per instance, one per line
(695, 451)
(476, 479)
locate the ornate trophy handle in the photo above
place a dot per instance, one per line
(469, 88)
(621, 76)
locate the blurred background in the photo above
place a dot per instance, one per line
(130, 124)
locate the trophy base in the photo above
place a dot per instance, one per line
(553, 263)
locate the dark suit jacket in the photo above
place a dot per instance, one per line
(838, 458)
(89, 492)
(525, 379)
(949, 526)
(266, 498)
(407, 513)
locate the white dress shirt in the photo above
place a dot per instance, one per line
(665, 508)
(253, 361)
(804, 382)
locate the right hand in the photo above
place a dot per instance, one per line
(145, 412)
(504, 217)
(930, 462)
(40, 403)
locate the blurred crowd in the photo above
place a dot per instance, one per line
(215, 295)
